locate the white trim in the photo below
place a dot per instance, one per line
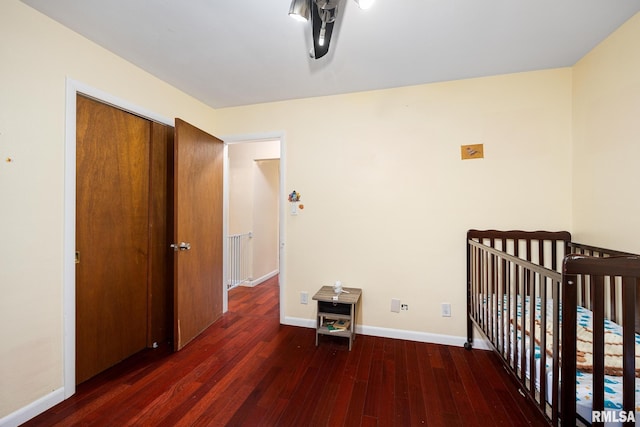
(260, 280)
(300, 322)
(33, 409)
(451, 340)
(119, 103)
(400, 334)
(256, 137)
(73, 88)
(69, 268)
(282, 280)
(253, 137)
(225, 227)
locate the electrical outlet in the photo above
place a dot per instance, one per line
(404, 307)
(446, 309)
(304, 297)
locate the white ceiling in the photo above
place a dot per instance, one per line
(231, 52)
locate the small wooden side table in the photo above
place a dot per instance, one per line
(342, 308)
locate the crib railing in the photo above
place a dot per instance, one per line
(505, 293)
(518, 272)
(239, 259)
(505, 280)
(613, 289)
(617, 271)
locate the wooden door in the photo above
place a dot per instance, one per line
(197, 222)
(112, 235)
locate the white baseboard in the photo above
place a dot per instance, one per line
(258, 281)
(427, 337)
(297, 321)
(33, 409)
(400, 334)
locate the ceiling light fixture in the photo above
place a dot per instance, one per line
(322, 14)
(300, 10)
(364, 4)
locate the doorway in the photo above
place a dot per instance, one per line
(254, 207)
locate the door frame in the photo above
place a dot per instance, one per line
(256, 137)
(73, 88)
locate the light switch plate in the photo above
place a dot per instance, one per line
(395, 305)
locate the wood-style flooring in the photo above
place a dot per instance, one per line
(248, 370)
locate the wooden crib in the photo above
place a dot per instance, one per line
(562, 317)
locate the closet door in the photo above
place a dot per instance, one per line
(112, 235)
(197, 231)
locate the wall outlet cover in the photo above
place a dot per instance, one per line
(446, 309)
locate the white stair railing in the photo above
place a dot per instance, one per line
(239, 264)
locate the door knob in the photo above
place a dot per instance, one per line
(182, 246)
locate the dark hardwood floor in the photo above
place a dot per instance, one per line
(248, 370)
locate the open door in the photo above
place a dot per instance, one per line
(198, 234)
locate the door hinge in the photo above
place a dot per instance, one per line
(77, 257)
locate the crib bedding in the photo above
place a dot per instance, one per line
(584, 343)
(584, 378)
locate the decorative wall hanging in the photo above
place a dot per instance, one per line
(294, 198)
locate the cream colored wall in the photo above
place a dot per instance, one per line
(388, 200)
(37, 56)
(265, 218)
(606, 153)
(240, 188)
(242, 157)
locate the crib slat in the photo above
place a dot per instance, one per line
(628, 343)
(597, 302)
(497, 316)
(542, 378)
(509, 331)
(555, 391)
(493, 311)
(613, 309)
(484, 279)
(532, 333)
(568, 348)
(523, 347)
